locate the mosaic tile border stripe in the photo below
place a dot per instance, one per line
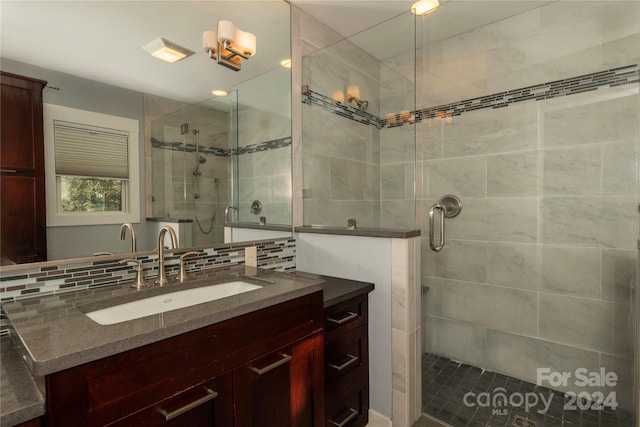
(223, 152)
(314, 98)
(277, 254)
(585, 83)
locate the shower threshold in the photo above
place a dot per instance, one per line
(445, 383)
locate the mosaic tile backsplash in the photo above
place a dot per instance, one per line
(570, 86)
(277, 254)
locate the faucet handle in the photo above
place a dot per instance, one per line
(139, 278)
(182, 274)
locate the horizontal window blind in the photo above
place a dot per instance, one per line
(84, 150)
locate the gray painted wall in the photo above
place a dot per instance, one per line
(84, 94)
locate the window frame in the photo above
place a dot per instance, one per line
(131, 202)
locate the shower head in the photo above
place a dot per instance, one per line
(202, 159)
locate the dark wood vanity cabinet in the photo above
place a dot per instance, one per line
(22, 179)
(266, 394)
(259, 369)
(347, 363)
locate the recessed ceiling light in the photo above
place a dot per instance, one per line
(286, 63)
(424, 7)
(218, 92)
(167, 50)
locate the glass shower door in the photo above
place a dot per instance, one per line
(530, 317)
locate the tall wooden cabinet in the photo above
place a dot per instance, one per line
(22, 185)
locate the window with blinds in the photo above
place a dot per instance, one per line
(89, 161)
(83, 150)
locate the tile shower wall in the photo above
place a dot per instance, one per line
(340, 156)
(351, 165)
(264, 147)
(174, 160)
(538, 268)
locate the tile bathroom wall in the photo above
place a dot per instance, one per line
(538, 267)
(263, 158)
(174, 160)
(354, 164)
(341, 173)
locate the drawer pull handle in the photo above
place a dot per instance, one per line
(343, 320)
(352, 415)
(261, 371)
(352, 359)
(186, 408)
(8, 171)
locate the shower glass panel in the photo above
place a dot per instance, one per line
(358, 136)
(530, 310)
(261, 113)
(191, 168)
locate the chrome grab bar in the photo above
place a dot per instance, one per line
(449, 206)
(440, 209)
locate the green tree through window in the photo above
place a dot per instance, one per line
(87, 194)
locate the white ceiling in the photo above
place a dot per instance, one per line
(102, 40)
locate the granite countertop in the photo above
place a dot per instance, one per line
(54, 333)
(20, 398)
(337, 290)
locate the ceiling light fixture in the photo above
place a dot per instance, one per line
(424, 7)
(167, 50)
(219, 92)
(230, 45)
(285, 63)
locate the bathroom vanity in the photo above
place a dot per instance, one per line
(262, 368)
(256, 358)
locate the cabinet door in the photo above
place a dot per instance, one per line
(21, 237)
(21, 120)
(207, 404)
(282, 388)
(22, 168)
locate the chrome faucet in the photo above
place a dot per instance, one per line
(162, 276)
(123, 234)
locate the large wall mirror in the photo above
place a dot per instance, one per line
(199, 154)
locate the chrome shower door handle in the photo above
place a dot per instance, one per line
(432, 213)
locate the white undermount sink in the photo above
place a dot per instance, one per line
(167, 302)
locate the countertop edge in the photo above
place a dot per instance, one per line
(26, 388)
(362, 232)
(50, 366)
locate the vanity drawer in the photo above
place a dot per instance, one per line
(348, 406)
(345, 316)
(347, 355)
(209, 403)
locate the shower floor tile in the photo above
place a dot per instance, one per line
(446, 382)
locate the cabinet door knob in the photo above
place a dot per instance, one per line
(189, 406)
(353, 414)
(343, 320)
(261, 371)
